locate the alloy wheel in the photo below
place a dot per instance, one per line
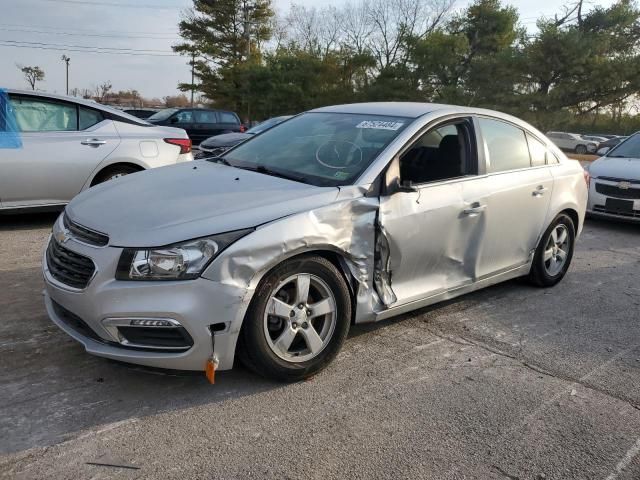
(556, 250)
(300, 317)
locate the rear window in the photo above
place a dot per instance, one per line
(41, 115)
(228, 117)
(205, 116)
(88, 118)
(507, 145)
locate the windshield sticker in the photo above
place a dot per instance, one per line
(380, 125)
(341, 175)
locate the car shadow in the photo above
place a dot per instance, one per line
(28, 221)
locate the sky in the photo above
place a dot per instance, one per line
(128, 29)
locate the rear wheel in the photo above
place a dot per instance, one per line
(554, 253)
(114, 172)
(297, 321)
(581, 150)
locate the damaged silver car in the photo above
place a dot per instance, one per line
(340, 215)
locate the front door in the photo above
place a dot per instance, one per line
(62, 144)
(433, 232)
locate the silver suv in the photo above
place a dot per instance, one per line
(341, 215)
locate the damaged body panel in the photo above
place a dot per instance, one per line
(396, 206)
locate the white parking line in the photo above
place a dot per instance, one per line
(628, 457)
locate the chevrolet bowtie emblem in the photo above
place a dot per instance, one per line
(624, 185)
(61, 236)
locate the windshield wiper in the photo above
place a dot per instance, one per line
(274, 173)
(221, 160)
(617, 156)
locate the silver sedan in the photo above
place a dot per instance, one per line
(52, 147)
(341, 215)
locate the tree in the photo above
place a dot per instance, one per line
(172, 101)
(32, 75)
(102, 91)
(223, 34)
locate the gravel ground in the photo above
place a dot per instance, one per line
(512, 382)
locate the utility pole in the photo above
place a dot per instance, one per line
(247, 28)
(66, 60)
(193, 86)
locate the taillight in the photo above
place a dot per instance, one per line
(587, 178)
(183, 143)
(242, 128)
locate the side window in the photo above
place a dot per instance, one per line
(186, 116)
(205, 116)
(88, 118)
(35, 115)
(506, 144)
(228, 117)
(441, 153)
(537, 150)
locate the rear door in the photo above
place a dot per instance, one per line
(62, 143)
(229, 121)
(517, 191)
(206, 125)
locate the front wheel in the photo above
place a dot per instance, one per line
(554, 253)
(297, 321)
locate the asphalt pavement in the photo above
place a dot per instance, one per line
(512, 382)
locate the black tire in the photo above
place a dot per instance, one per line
(114, 172)
(254, 350)
(581, 150)
(539, 275)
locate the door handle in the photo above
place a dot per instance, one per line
(93, 142)
(538, 192)
(474, 209)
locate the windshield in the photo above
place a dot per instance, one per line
(266, 125)
(162, 114)
(629, 148)
(323, 149)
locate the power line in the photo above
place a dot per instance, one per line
(172, 37)
(15, 45)
(146, 50)
(51, 27)
(116, 4)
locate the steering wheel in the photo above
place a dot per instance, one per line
(330, 154)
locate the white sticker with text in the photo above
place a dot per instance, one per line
(380, 125)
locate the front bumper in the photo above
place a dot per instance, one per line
(597, 204)
(195, 304)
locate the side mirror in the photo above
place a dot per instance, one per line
(603, 151)
(404, 187)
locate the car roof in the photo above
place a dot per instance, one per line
(80, 101)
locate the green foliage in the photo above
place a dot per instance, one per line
(582, 69)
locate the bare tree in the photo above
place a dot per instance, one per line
(32, 75)
(315, 30)
(102, 90)
(395, 21)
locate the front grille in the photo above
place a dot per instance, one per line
(158, 337)
(84, 234)
(75, 322)
(615, 191)
(68, 267)
(631, 214)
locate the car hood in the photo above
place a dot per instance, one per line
(623, 168)
(180, 202)
(225, 140)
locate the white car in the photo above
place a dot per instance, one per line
(52, 147)
(614, 189)
(594, 138)
(573, 142)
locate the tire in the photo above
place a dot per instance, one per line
(581, 150)
(545, 270)
(114, 172)
(264, 345)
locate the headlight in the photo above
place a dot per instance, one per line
(182, 261)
